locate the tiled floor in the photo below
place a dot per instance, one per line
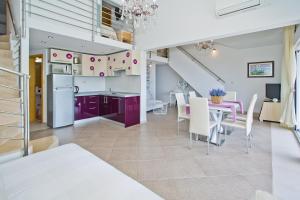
(154, 155)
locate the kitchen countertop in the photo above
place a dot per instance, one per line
(107, 93)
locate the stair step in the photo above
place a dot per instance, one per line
(10, 106)
(4, 38)
(6, 120)
(6, 62)
(9, 133)
(8, 79)
(7, 93)
(5, 53)
(5, 45)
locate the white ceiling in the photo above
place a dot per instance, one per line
(42, 40)
(252, 40)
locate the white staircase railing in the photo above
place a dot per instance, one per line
(24, 105)
(199, 77)
(22, 82)
(200, 64)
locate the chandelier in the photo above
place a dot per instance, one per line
(140, 11)
(207, 45)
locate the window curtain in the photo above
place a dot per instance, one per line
(288, 78)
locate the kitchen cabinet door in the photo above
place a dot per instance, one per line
(117, 109)
(91, 106)
(78, 108)
(134, 67)
(110, 65)
(100, 66)
(125, 59)
(117, 62)
(61, 56)
(104, 106)
(132, 111)
(88, 63)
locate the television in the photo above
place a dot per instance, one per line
(273, 90)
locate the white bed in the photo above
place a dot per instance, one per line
(67, 172)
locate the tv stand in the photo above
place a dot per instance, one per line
(270, 111)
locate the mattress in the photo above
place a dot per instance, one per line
(67, 172)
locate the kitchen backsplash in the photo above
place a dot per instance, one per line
(88, 84)
(123, 83)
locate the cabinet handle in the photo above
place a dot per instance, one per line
(116, 98)
(93, 108)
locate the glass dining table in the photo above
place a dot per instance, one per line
(217, 112)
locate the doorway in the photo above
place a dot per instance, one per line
(36, 92)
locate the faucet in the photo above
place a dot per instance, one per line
(109, 90)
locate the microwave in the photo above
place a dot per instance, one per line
(61, 69)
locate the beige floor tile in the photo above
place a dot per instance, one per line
(155, 155)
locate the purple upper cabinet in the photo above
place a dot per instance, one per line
(132, 111)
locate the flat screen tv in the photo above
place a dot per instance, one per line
(273, 90)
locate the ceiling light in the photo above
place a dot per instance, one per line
(50, 37)
(38, 60)
(140, 11)
(206, 46)
(214, 50)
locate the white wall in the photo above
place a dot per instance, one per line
(180, 22)
(231, 65)
(166, 81)
(152, 80)
(123, 83)
(89, 84)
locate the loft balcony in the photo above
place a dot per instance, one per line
(90, 21)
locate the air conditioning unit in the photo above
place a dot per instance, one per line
(225, 7)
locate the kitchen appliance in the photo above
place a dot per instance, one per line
(61, 68)
(60, 100)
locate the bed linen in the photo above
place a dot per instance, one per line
(67, 172)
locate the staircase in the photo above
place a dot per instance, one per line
(14, 125)
(14, 102)
(195, 73)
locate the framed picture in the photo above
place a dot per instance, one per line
(261, 69)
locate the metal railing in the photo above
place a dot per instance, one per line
(22, 83)
(24, 105)
(96, 17)
(218, 78)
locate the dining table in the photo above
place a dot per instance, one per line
(217, 112)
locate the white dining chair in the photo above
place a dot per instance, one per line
(243, 117)
(230, 96)
(245, 125)
(181, 110)
(192, 94)
(200, 123)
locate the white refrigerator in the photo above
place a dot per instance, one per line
(60, 100)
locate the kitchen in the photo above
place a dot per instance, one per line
(84, 86)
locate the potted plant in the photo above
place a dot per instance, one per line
(217, 95)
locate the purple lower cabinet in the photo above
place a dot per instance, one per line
(78, 108)
(132, 111)
(91, 106)
(104, 106)
(86, 107)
